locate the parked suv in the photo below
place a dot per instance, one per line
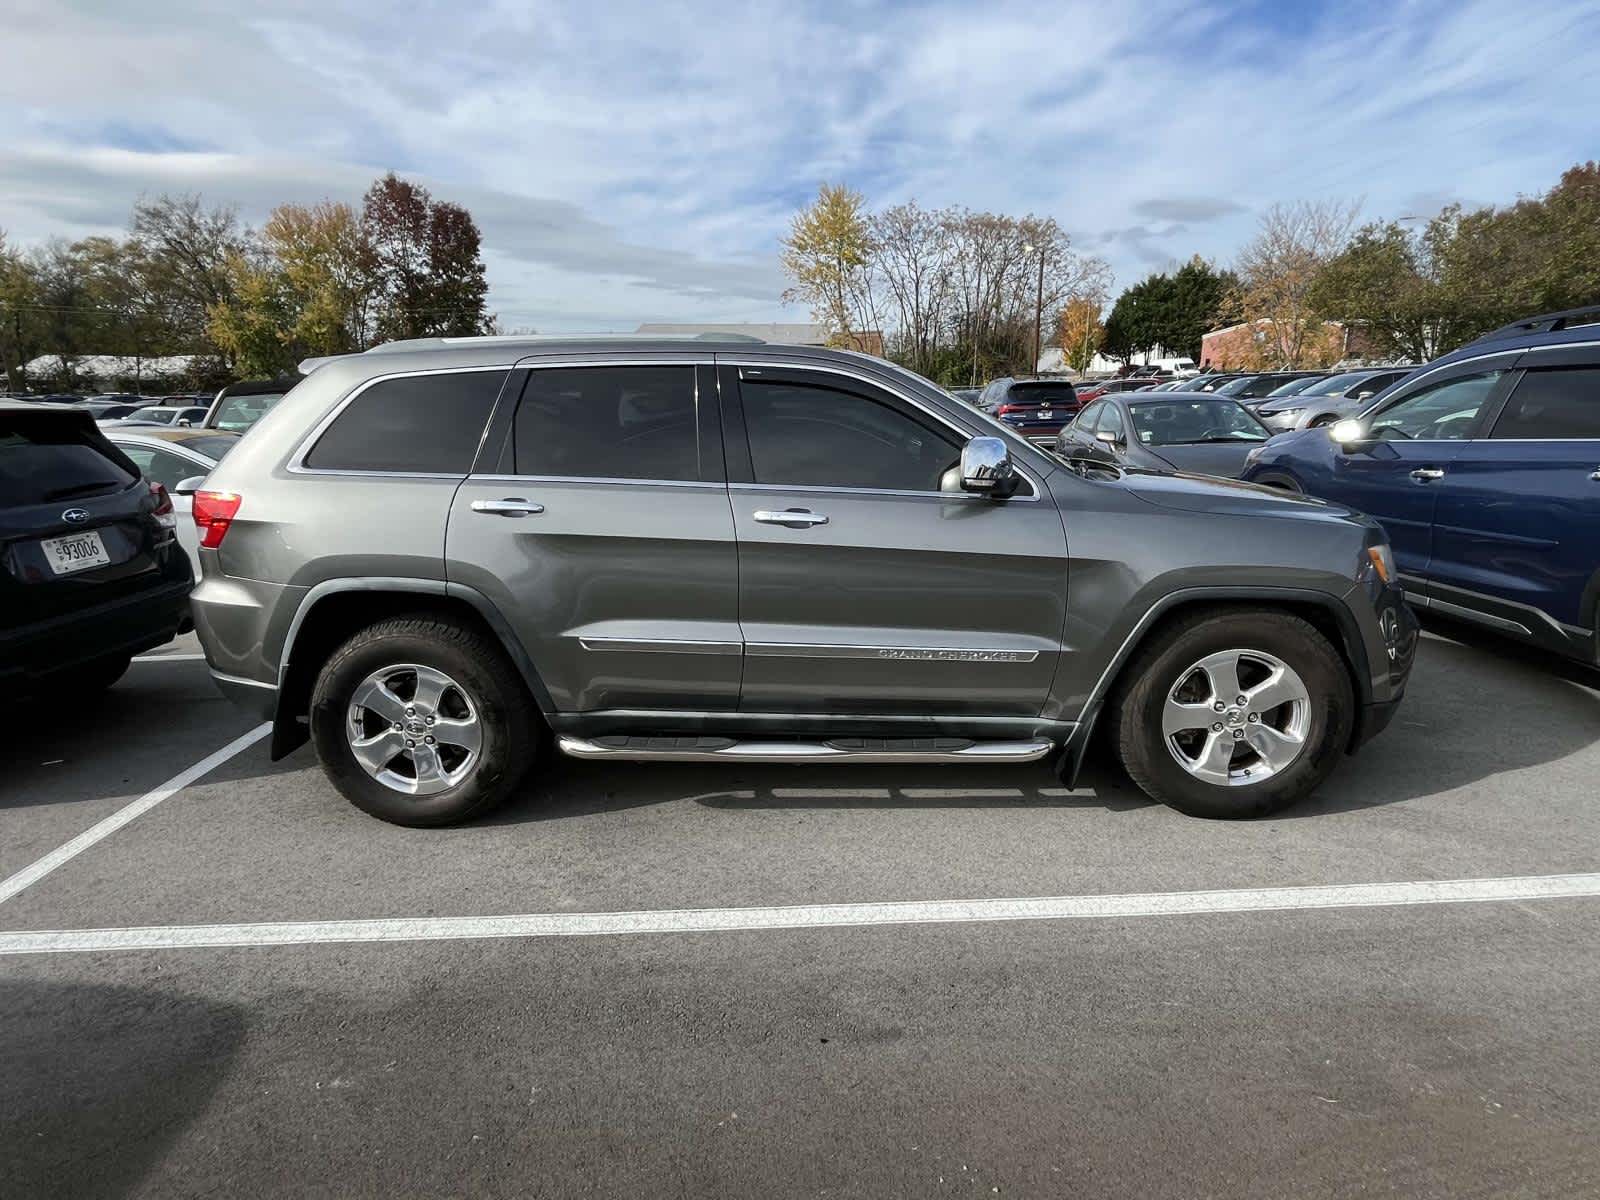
(1035, 408)
(1484, 466)
(91, 572)
(425, 557)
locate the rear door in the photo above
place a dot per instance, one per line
(863, 587)
(1412, 442)
(76, 523)
(1518, 519)
(597, 522)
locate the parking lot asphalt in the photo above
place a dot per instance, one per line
(1441, 1049)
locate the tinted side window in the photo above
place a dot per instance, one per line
(1445, 412)
(1111, 422)
(608, 423)
(1553, 404)
(819, 436)
(420, 424)
(1088, 417)
(161, 466)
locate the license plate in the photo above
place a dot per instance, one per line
(1044, 414)
(76, 553)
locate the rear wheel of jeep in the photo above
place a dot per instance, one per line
(422, 721)
(1236, 713)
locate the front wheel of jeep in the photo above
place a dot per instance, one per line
(422, 721)
(1234, 713)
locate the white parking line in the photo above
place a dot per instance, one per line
(808, 916)
(36, 871)
(169, 658)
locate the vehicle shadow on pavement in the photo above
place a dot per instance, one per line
(576, 789)
(1477, 706)
(96, 1082)
(120, 742)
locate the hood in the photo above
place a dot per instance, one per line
(1200, 493)
(1205, 458)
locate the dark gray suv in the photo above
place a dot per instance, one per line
(444, 559)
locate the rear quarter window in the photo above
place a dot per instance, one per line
(415, 424)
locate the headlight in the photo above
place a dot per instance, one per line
(1379, 559)
(1288, 412)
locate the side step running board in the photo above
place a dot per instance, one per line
(856, 750)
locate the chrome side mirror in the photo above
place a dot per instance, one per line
(986, 467)
(189, 486)
(1106, 436)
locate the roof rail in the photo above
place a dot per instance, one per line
(501, 339)
(1544, 323)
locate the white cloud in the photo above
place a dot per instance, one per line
(639, 160)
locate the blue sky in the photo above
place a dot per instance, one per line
(639, 161)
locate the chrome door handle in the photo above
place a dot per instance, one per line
(1595, 476)
(511, 506)
(1427, 474)
(795, 518)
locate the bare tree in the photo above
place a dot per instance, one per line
(1278, 272)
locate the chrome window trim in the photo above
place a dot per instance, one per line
(810, 488)
(296, 464)
(966, 435)
(600, 479)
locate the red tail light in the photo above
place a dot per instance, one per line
(1002, 409)
(213, 513)
(163, 501)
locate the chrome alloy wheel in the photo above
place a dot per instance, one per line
(414, 729)
(1236, 717)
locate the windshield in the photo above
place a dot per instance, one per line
(156, 413)
(1294, 387)
(1177, 422)
(1336, 385)
(238, 413)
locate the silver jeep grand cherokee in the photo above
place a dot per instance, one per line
(441, 557)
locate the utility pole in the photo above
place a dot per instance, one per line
(1038, 312)
(977, 305)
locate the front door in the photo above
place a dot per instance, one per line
(599, 526)
(1394, 474)
(1518, 522)
(863, 587)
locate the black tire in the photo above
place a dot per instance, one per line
(512, 728)
(85, 681)
(1163, 662)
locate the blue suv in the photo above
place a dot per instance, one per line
(1484, 467)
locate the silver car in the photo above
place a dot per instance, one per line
(441, 559)
(172, 457)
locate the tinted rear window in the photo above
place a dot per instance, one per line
(46, 460)
(1041, 393)
(420, 424)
